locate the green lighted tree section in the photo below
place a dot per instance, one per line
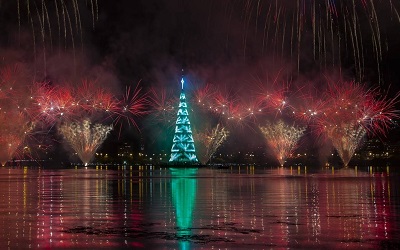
(184, 189)
(183, 149)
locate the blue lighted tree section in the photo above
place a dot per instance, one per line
(183, 150)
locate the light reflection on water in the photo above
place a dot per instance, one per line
(235, 208)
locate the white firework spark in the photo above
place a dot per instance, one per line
(282, 138)
(210, 141)
(346, 138)
(84, 137)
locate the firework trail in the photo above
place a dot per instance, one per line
(282, 138)
(332, 28)
(84, 137)
(46, 26)
(208, 143)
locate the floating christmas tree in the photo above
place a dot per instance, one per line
(183, 150)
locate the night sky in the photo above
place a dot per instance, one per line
(230, 44)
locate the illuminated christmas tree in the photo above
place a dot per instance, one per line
(183, 150)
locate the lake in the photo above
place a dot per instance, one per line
(240, 207)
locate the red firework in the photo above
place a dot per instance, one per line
(203, 96)
(309, 107)
(352, 112)
(23, 105)
(63, 102)
(85, 94)
(226, 105)
(105, 101)
(7, 82)
(162, 105)
(351, 102)
(15, 122)
(133, 104)
(52, 103)
(251, 109)
(274, 97)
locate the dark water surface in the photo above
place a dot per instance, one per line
(153, 208)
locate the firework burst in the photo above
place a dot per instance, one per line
(352, 112)
(346, 138)
(209, 142)
(70, 107)
(133, 104)
(50, 103)
(55, 104)
(202, 96)
(282, 138)
(84, 137)
(162, 105)
(232, 110)
(274, 95)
